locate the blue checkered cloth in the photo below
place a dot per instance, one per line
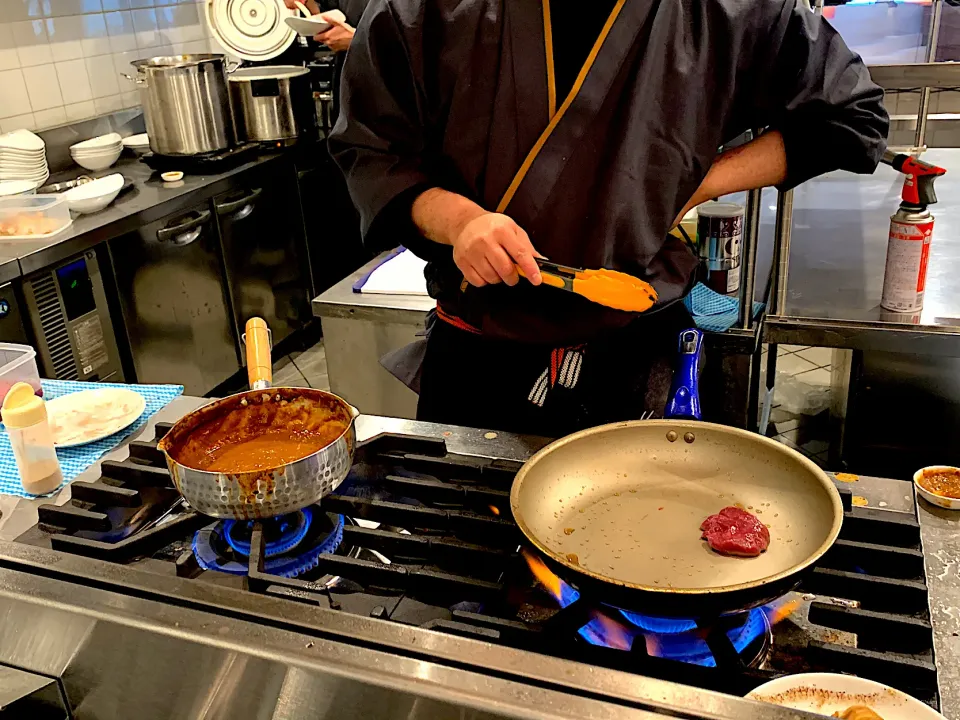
(75, 460)
(712, 311)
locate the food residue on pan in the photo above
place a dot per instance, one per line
(944, 482)
(860, 501)
(847, 477)
(573, 557)
(569, 531)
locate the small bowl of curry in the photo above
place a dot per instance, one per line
(940, 485)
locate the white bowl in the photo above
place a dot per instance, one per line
(171, 176)
(94, 196)
(102, 141)
(98, 162)
(17, 187)
(940, 500)
(94, 152)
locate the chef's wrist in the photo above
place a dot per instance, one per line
(442, 215)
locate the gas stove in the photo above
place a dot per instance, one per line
(421, 535)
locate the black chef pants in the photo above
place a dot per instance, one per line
(477, 382)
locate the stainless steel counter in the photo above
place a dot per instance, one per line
(341, 301)
(837, 259)
(76, 618)
(358, 330)
(150, 199)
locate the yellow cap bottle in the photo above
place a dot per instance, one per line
(25, 418)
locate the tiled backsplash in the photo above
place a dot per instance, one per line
(61, 60)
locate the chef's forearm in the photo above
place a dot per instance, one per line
(757, 164)
(760, 163)
(441, 215)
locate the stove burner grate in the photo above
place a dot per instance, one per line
(680, 639)
(225, 545)
(283, 533)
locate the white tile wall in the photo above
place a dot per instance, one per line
(61, 60)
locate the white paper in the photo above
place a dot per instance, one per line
(401, 275)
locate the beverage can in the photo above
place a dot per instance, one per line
(719, 238)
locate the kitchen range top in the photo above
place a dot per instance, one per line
(422, 536)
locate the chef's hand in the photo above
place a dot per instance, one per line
(487, 247)
(311, 5)
(337, 38)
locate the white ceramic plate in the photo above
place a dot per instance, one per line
(21, 140)
(137, 141)
(90, 415)
(828, 693)
(308, 27)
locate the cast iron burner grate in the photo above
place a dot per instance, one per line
(456, 567)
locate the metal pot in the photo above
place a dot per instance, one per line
(271, 103)
(250, 416)
(186, 103)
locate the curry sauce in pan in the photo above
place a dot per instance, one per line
(258, 431)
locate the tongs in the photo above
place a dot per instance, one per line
(610, 288)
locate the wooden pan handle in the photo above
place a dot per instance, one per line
(259, 364)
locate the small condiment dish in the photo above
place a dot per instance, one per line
(939, 500)
(172, 176)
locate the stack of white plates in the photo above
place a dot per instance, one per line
(97, 153)
(23, 156)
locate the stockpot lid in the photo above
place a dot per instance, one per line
(270, 72)
(251, 29)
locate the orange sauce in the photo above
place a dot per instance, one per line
(270, 450)
(616, 290)
(945, 483)
(263, 432)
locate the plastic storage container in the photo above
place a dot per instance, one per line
(33, 217)
(18, 363)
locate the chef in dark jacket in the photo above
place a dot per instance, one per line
(481, 133)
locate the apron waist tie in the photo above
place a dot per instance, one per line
(457, 322)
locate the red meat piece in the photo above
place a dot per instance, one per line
(733, 531)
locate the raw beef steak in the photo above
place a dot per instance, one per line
(733, 531)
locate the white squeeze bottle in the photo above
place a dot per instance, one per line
(25, 417)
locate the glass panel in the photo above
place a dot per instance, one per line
(883, 32)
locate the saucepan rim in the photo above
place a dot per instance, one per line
(165, 442)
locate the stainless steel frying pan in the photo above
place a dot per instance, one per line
(616, 510)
